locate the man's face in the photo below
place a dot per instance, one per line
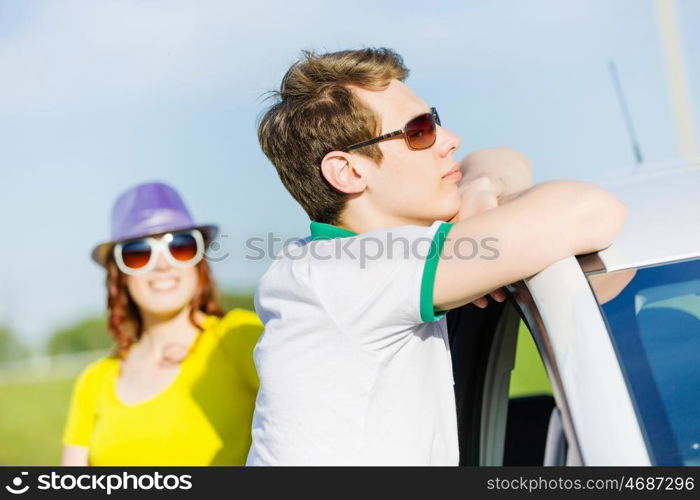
(412, 186)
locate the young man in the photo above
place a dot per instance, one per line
(354, 363)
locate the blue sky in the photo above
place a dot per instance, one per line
(98, 96)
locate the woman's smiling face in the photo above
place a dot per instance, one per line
(164, 290)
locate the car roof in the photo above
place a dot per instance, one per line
(663, 223)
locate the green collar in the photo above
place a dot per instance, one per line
(322, 231)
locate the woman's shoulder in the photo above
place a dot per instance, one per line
(240, 317)
(97, 371)
(233, 319)
(238, 328)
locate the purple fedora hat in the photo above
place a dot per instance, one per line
(145, 210)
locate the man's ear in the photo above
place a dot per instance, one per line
(341, 170)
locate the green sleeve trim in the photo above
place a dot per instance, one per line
(427, 310)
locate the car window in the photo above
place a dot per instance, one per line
(529, 377)
(530, 405)
(654, 322)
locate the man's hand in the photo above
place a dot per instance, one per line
(508, 168)
(491, 176)
(478, 195)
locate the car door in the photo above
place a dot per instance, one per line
(560, 440)
(483, 345)
(595, 421)
(495, 426)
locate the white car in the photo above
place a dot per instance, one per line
(619, 334)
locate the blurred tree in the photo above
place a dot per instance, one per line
(10, 347)
(91, 333)
(242, 300)
(87, 335)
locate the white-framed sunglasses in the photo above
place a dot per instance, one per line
(139, 256)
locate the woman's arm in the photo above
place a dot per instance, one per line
(82, 415)
(74, 455)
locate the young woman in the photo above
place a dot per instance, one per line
(180, 387)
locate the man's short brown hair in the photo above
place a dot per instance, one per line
(316, 112)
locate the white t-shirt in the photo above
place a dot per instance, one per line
(354, 364)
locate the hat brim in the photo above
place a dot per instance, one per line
(100, 252)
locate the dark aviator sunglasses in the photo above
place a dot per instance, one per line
(420, 132)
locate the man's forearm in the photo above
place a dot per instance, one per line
(507, 168)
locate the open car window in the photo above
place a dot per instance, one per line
(504, 398)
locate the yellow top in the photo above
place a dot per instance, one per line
(204, 417)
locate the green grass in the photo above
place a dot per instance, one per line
(528, 377)
(32, 415)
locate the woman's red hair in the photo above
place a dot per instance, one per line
(124, 319)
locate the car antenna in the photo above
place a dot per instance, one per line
(625, 112)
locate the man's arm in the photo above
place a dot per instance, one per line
(492, 177)
(519, 238)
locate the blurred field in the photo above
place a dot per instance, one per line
(34, 393)
(34, 396)
(31, 421)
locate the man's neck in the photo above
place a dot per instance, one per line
(362, 221)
